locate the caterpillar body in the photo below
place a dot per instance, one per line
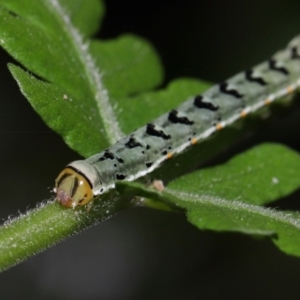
(194, 120)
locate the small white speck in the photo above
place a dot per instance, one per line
(2, 41)
(275, 180)
(65, 97)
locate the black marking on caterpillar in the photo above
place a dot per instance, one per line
(149, 164)
(150, 130)
(224, 89)
(80, 201)
(199, 103)
(120, 176)
(294, 53)
(173, 117)
(109, 155)
(62, 178)
(83, 175)
(74, 187)
(132, 143)
(272, 66)
(249, 76)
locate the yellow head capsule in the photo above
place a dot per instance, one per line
(72, 189)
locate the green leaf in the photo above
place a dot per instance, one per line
(258, 176)
(128, 65)
(80, 76)
(84, 15)
(219, 198)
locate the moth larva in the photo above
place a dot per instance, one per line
(194, 120)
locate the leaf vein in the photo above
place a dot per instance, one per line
(94, 76)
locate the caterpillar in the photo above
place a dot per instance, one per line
(194, 120)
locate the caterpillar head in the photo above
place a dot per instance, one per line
(72, 188)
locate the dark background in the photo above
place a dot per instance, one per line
(142, 253)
